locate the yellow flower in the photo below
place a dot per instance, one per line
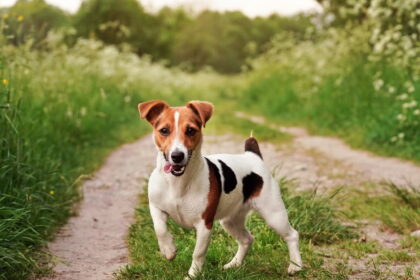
(5, 82)
(20, 18)
(52, 192)
(5, 16)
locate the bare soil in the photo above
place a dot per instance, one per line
(93, 243)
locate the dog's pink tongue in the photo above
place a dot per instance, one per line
(167, 168)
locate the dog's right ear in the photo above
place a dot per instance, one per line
(150, 110)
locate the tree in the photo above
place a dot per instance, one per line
(116, 22)
(33, 20)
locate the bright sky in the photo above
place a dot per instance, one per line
(250, 7)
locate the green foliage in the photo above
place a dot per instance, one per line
(31, 21)
(116, 22)
(351, 86)
(62, 113)
(267, 259)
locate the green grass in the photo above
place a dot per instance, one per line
(64, 112)
(225, 121)
(312, 215)
(394, 210)
(341, 103)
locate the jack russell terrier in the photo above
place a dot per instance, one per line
(196, 190)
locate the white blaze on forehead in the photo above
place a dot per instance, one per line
(177, 145)
(176, 116)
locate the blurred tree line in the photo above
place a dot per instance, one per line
(224, 41)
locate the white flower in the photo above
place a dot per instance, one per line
(403, 96)
(416, 112)
(394, 139)
(401, 135)
(391, 89)
(378, 84)
(401, 117)
(83, 111)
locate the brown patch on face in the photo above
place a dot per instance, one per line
(188, 129)
(213, 197)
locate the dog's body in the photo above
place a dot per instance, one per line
(195, 190)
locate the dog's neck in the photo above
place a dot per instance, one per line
(181, 184)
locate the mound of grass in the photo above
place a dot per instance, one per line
(397, 210)
(312, 216)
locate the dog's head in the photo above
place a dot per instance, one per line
(177, 130)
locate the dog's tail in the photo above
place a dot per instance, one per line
(251, 145)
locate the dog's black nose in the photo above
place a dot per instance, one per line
(177, 156)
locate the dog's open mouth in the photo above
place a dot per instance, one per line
(174, 169)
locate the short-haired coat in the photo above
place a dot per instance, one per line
(195, 190)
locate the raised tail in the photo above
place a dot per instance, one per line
(251, 145)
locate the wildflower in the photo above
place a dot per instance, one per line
(378, 84)
(416, 112)
(401, 117)
(401, 135)
(20, 18)
(52, 192)
(5, 82)
(403, 96)
(127, 99)
(391, 89)
(83, 111)
(394, 139)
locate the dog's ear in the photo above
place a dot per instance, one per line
(150, 110)
(203, 109)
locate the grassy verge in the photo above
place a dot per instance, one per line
(63, 113)
(333, 87)
(329, 249)
(313, 216)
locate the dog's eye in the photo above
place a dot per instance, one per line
(190, 131)
(164, 131)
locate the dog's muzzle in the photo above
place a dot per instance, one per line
(175, 165)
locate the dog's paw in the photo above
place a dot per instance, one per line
(232, 264)
(169, 252)
(293, 268)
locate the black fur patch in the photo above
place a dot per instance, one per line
(252, 185)
(230, 178)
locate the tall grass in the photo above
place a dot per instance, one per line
(64, 110)
(332, 86)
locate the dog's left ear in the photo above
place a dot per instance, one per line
(203, 109)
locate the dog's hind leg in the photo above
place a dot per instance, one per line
(271, 207)
(236, 228)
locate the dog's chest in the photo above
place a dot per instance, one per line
(185, 210)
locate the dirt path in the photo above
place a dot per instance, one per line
(92, 245)
(366, 165)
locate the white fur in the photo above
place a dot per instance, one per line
(177, 145)
(185, 199)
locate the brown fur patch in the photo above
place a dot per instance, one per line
(187, 118)
(251, 145)
(213, 197)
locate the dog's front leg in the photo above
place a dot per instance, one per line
(165, 240)
(200, 250)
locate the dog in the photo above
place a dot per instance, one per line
(195, 191)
